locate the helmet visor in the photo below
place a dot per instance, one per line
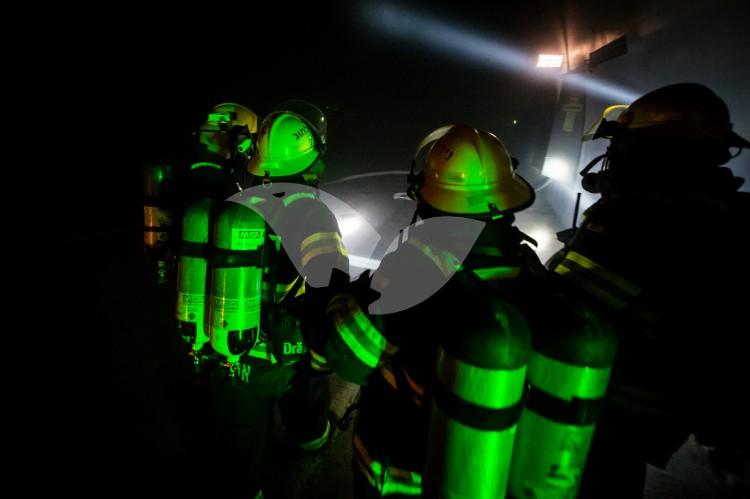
(606, 126)
(309, 112)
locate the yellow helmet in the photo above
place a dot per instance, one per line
(596, 130)
(682, 111)
(286, 146)
(229, 128)
(469, 172)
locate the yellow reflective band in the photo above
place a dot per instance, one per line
(351, 340)
(318, 442)
(445, 261)
(388, 479)
(612, 108)
(405, 483)
(491, 273)
(284, 289)
(296, 197)
(319, 236)
(369, 331)
(318, 362)
(261, 351)
(315, 355)
(618, 281)
(610, 288)
(356, 330)
(319, 367)
(589, 286)
(489, 388)
(567, 381)
(337, 248)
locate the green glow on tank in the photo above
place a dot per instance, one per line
(550, 457)
(493, 388)
(191, 296)
(196, 222)
(486, 369)
(235, 291)
(567, 381)
(239, 228)
(192, 275)
(475, 465)
(237, 307)
(192, 271)
(568, 372)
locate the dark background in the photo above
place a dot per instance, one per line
(140, 83)
(132, 84)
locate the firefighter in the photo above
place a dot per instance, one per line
(441, 337)
(215, 172)
(299, 252)
(660, 254)
(313, 263)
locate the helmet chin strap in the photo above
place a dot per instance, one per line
(592, 163)
(590, 181)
